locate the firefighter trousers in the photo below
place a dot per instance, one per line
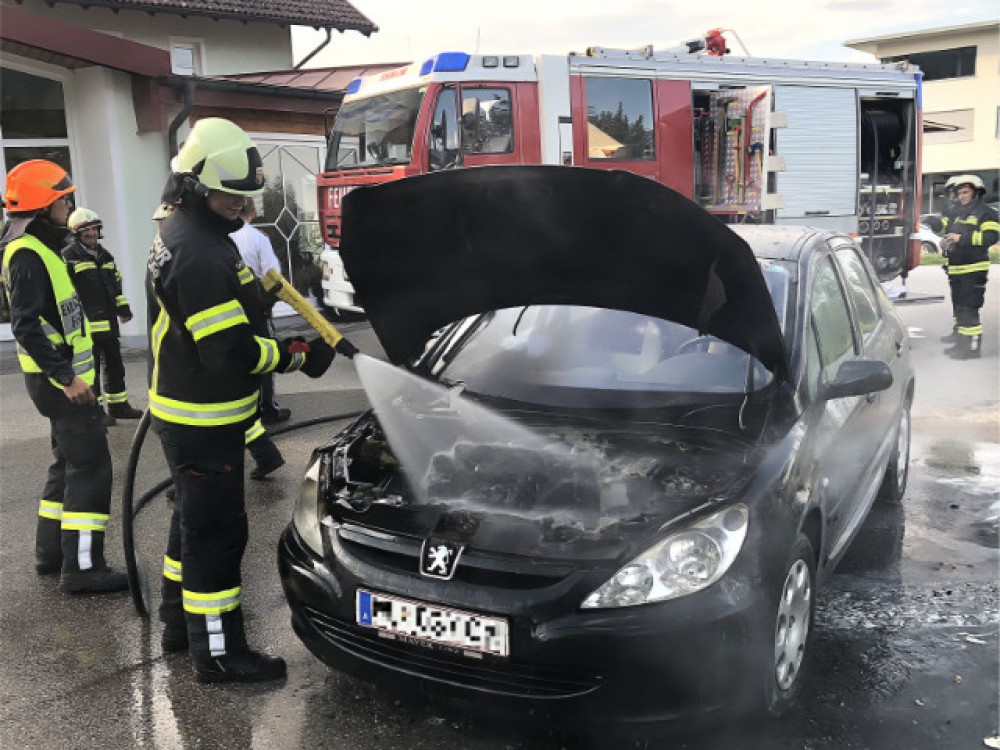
(207, 538)
(109, 370)
(74, 511)
(968, 293)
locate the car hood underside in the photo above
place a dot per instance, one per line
(426, 251)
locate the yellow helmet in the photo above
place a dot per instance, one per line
(84, 218)
(221, 157)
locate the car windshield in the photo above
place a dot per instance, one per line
(556, 354)
(375, 131)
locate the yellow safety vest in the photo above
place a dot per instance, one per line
(74, 323)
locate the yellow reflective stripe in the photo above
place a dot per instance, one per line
(83, 362)
(213, 603)
(255, 431)
(100, 326)
(298, 359)
(51, 333)
(969, 268)
(171, 569)
(84, 521)
(977, 238)
(970, 330)
(246, 275)
(990, 226)
(157, 333)
(203, 415)
(215, 319)
(121, 301)
(50, 509)
(268, 356)
(110, 266)
(117, 398)
(84, 265)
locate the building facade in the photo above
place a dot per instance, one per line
(109, 89)
(961, 101)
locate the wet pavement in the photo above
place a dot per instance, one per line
(905, 653)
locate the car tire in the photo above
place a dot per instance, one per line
(898, 470)
(928, 247)
(792, 607)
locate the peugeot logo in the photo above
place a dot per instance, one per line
(439, 558)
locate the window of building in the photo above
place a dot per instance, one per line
(620, 119)
(187, 57)
(945, 63)
(33, 119)
(948, 127)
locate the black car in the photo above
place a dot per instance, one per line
(627, 445)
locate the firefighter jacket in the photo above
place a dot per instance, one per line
(47, 318)
(209, 338)
(976, 224)
(98, 283)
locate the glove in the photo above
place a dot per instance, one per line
(318, 358)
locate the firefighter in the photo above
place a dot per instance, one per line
(210, 347)
(54, 348)
(98, 283)
(946, 217)
(971, 230)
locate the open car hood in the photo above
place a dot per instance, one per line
(426, 251)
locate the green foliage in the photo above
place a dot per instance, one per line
(936, 259)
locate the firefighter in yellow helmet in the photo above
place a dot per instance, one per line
(98, 283)
(54, 349)
(971, 230)
(210, 346)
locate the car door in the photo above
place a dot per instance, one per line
(848, 426)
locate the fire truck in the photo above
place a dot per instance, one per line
(752, 140)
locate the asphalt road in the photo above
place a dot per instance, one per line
(905, 653)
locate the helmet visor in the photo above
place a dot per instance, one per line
(252, 181)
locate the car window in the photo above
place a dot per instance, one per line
(831, 319)
(859, 286)
(620, 118)
(813, 365)
(445, 138)
(487, 124)
(537, 354)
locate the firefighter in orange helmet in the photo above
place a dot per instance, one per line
(54, 349)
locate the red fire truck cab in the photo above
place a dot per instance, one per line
(752, 140)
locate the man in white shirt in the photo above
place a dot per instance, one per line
(256, 251)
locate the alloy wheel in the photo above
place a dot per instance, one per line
(791, 627)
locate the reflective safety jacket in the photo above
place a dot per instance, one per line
(98, 283)
(48, 320)
(209, 338)
(976, 224)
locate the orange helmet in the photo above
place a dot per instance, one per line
(36, 184)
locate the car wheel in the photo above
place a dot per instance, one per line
(792, 609)
(928, 247)
(898, 471)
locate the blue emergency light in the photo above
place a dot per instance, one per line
(446, 62)
(354, 86)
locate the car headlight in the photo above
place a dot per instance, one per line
(306, 516)
(689, 560)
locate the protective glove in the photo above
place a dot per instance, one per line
(318, 358)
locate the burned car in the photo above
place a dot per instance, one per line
(622, 446)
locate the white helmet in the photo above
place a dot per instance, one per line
(84, 218)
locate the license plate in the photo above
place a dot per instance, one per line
(429, 624)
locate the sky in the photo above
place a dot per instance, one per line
(809, 29)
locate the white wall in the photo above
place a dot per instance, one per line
(120, 174)
(230, 46)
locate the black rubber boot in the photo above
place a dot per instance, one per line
(266, 455)
(243, 666)
(108, 420)
(275, 415)
(124, 410)
(970, 348)
(174, 639)
(951, 338)
(93, 581)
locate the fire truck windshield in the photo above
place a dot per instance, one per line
(374, 131)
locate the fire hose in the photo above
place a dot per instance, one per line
(137, 583)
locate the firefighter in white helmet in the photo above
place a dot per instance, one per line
(971, 230)
(210, 346)
(98, 283)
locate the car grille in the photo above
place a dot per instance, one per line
(473, 569)
(505, 679)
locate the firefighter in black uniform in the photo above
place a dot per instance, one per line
(98, 283)
(210, 346)
(947, 214)
(972, 229)
(54, 349)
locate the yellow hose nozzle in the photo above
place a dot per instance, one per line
(278, 285)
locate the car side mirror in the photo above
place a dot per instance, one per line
(859, 377)
(933, 222)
